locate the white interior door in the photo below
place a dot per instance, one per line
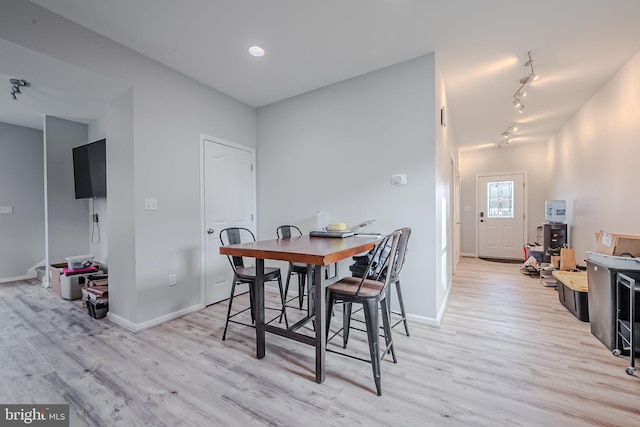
(501, 200)
(229, 199)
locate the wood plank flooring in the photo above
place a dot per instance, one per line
(507, 353)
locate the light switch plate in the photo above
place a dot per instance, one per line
(150, 204)
(6, 209)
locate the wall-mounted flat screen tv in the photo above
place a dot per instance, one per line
(90, 170)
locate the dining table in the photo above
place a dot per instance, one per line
(318, 253)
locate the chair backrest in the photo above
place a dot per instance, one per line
(288, 231)
(384, 260)
(234, 236)
(402, 247)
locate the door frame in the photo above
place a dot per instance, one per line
(203, 246)
(525, 205)
(456, 219)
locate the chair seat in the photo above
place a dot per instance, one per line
(349, 286)
(249, 273)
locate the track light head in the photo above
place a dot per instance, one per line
(525, 80)
(16, 84)
(19, 82)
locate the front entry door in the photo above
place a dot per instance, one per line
(501, 216)
(229, 197)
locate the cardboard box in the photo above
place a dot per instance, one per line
(55, 271)
(68, 286)
(617, 244)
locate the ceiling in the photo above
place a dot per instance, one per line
(480, 46)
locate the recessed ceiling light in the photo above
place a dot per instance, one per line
(256, 51)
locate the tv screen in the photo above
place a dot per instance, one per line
(90, 170)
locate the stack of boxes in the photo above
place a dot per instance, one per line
(80, 277)
(95, 296)
(67, 279)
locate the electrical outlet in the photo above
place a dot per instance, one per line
(172, 280)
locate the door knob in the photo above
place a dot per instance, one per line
(209, 230)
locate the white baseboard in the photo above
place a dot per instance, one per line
(137, 327)
(429, 321)
(33, 271)
(469, 255)
(15, 279)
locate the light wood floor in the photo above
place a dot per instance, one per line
(506, 354)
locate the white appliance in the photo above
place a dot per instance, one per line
(555, 211)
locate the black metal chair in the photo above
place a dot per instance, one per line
(402, 252)
(295, 268)
(370, 291)
(247, 275)
(358, 270)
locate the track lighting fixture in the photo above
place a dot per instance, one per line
(506, 135)
(16, 84)
(519, 94)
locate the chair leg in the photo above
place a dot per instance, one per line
(371, 319)
(386, 324)
(284, 306)
(402, 312)
(346, 322)
(302, 279)
(286, 287)
(226, 325)
(251, 304)
(329, 308)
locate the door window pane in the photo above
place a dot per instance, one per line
(500, 199)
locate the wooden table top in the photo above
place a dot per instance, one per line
(576, 280)
(304, 249)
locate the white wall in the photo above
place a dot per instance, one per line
(530, 158)
(594, 164)
(153, 153)
(22, 189)
(446, 161)
(66, 216)
(336, 148)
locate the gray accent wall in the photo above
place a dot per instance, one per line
(336, 148)
(67, 217)
(21, 189)
(153, 130)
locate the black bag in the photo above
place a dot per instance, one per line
(377, 272)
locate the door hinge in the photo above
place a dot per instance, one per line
(251, 217)
(251, 167)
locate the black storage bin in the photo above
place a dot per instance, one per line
(575, 301)
(96, 309)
